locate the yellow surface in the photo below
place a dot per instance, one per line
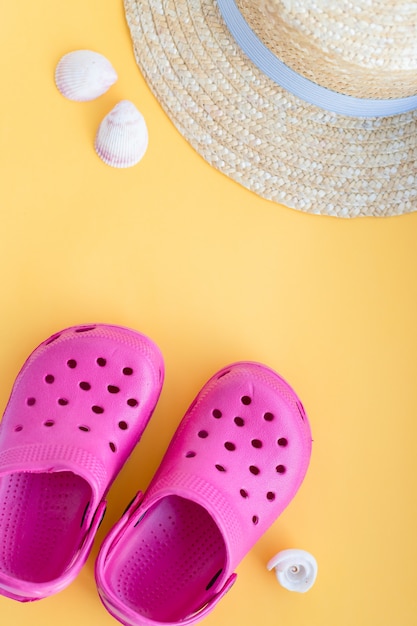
(213, 274)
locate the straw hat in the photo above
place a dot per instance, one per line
(309, 103)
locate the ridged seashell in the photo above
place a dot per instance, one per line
(295, 570)
(84, 75)
(122, 137)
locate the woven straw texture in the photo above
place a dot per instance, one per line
(366, 48)
(252, 130)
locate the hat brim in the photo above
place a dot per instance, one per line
(258, 134)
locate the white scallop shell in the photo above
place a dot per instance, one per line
(122, 137)
(295, 570)
(84, 75)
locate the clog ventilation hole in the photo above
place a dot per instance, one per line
(256, 443)
(49, 380)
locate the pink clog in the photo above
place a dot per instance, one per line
(78, 407)
(235, 462)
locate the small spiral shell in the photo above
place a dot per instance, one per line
(296, 570)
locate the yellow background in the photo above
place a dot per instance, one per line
(213, 274)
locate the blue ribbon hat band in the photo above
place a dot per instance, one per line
(300, 86)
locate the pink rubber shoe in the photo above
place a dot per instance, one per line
(235, 462)
(78, 407)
